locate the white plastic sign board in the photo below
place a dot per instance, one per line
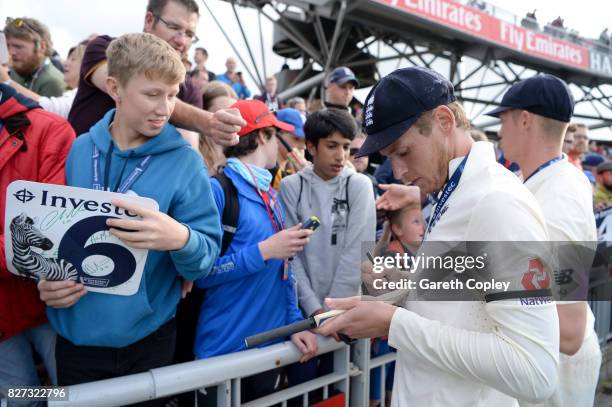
(57, 232)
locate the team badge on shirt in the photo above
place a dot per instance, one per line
(535, 278)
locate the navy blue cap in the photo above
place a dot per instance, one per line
(342, 75)
(593, 160)
(397, 101)
(604, 166)
(294, 118)
(544, 94)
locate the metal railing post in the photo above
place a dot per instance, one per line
(360, 383)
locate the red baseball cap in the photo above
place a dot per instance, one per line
(258, 116)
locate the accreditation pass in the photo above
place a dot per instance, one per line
(37, 393)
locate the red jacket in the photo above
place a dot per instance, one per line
(39, 156)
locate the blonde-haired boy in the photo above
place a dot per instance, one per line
(134, 150)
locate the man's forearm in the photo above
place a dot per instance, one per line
(25, 91)
(190, 117)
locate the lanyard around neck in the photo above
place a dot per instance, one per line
(277, 222)
(541, 167)
(125, 185)
(448, 190)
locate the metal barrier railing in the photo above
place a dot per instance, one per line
(224, 372)
(351, 372)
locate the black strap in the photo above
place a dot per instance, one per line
(348, 205)
(511, 295)
(15, 126)
(301, 187)
(231, 210)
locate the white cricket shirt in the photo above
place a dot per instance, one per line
(566, 198)
(471, 353)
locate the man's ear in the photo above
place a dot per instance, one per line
(445, 117)
(42, 47)
(526, 119)
(112, 89)
(149, 22)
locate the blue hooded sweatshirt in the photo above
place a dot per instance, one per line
(177, 179)
(245, 295)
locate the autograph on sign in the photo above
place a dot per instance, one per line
(56, 232)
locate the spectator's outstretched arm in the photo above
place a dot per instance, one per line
(222, 126)
(4, 76)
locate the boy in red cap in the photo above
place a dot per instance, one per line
(251, 288)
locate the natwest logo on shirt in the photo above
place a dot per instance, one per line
(535, 278)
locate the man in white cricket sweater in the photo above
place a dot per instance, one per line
(535, 114)
(460, 353)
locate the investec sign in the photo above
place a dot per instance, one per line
(483, 25)
(74, 220)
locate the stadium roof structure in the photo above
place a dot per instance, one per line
(481, 48)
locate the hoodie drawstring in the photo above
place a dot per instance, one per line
(125, 161)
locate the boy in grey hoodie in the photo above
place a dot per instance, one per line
(342, 199)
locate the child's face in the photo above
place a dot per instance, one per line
(145, 104)
(330, 155)
(411, 228)
(271, 147)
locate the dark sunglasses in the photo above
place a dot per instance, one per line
(353, 151)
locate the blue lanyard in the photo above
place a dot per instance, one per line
(541, 167)
(129, 181)
(448, 190)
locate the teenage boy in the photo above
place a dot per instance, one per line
(251, 288)
(102, 335)
(344, 202)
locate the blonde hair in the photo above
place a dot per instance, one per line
(141, 53)
(423, 123)
(78, 51)
(478, 135)
(214, 90)
(395, 217)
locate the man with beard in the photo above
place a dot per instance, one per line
(174, 21)
(603, 191)
(29, 44)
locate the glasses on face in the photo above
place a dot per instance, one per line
(353, 151)
(179, 31)
(568, 141)
(21, 23)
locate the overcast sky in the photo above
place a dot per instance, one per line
(70, 21)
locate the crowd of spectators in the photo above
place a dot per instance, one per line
(213, 145)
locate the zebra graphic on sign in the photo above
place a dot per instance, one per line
(28, 263)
